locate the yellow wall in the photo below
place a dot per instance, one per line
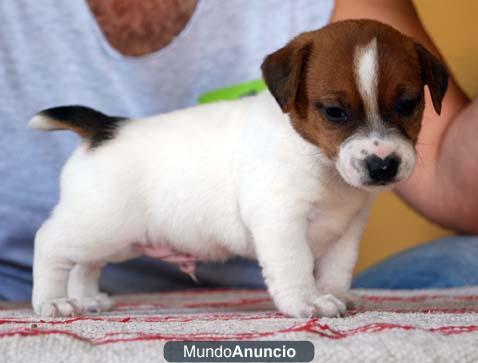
(453, 25)
(394, 226)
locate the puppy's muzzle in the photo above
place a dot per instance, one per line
(382, 171)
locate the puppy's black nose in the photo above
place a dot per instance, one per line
(380, 170)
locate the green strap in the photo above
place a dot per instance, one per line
(233, 92)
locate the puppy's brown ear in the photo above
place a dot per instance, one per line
(434, 75)
(282, 71)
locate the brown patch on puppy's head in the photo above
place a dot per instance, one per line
(353, 83)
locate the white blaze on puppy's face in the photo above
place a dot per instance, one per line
(377, 154)
(366, 74)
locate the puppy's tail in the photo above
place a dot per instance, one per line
(90, 124)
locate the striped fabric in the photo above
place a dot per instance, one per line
(385, 326)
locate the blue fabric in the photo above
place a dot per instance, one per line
(150, 275)
(15, 281)
(144, 275)
(448, 262)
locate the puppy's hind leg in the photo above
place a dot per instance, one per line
(51, 269)
(60, 244)
(83, 288)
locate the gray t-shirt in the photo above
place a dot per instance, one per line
(52, 53)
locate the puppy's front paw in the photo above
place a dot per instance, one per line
(306, 306)
(55, 308)
(350, 299)
(346, 296)
(329, 306)
(296, 305)
(95, 304)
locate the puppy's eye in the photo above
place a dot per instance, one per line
(406, 107)
(335, 113)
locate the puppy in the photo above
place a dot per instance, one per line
(286, 176)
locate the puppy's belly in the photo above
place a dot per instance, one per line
(211, 251)
(214, 241)
(185, 260)
(209, 230)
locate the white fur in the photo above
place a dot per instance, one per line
(40, 122)
(366, 74)
(231, 178)
(354, 151)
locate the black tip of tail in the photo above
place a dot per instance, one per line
(89, 123)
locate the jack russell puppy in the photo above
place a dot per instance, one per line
(285, 177)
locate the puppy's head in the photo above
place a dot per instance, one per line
(356, 90)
